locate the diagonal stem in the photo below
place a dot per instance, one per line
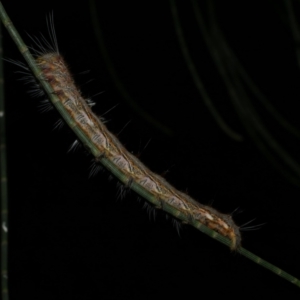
(112, 168)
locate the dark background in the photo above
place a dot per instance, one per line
(70, 237)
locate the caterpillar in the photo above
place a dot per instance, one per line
(109, 149)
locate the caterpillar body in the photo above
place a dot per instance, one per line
(109, 151)
(56, 73)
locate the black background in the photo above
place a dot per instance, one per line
(70, 237)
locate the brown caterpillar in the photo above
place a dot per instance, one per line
(56, 72)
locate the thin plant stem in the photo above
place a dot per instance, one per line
(3, 188)
(113, 169)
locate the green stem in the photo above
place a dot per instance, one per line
(112, 168)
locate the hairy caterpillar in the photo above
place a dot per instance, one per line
(164, 196)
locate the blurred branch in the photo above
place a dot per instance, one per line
(3, 177)
(197, 81)
(119, 85)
